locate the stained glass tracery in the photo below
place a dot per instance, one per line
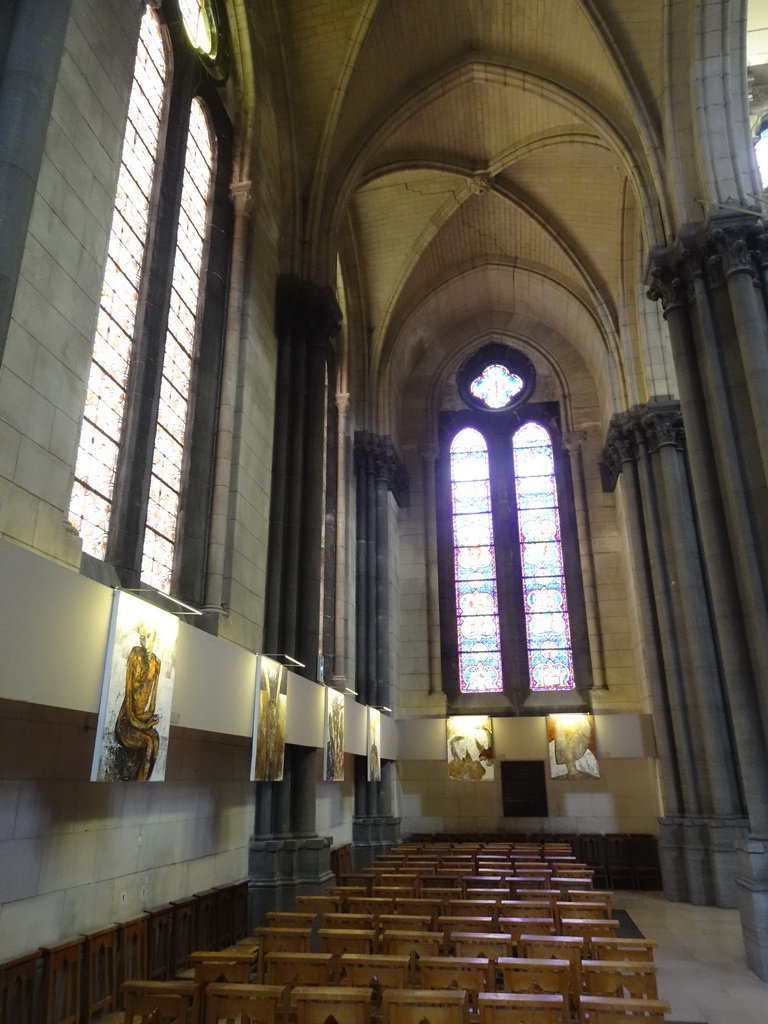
(96, 465)
(550, 658)
(477, 613)
(496, 386)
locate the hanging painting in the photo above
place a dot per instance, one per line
(269, 707)
(572, 749)
(374, 745)
(470, 747)
(135, 711)
(333, 745)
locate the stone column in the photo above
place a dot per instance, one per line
(428, 455)
(32, 56)
(379, 471)
(573, 442)
(308, 319)
(711, 282)
(701, 785)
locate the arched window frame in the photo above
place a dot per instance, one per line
(187, 78)
(498, 429)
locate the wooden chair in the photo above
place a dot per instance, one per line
(482, 882)
(472, 908)
(570, 882)
(317, 905)
(527, 974)
(609, 1010)
(100, 974)
(300, 969)
(290, 919)
(472, 974)
(282, 940)
(222, 966)
(344, 1005)
(522, 1008)
(525, 908)
(588, 928)
(448, 925)
(405, 922)
(623, 949)
(396, 942)
(392, 892)
(161, 1002)
(517, 926)
(556, 947)
(419, 907)
(244, 1004)
(626, 979)
(183, 933)
(374, 905)
(577, 908)
(366, 922)
(346, 940)
(591, 896)
(62, 979)
(424, 1006)
(17, 989)
(372, 971)
(550, 895)
(403, 878)
(483, 944)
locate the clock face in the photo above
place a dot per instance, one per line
(199, 26)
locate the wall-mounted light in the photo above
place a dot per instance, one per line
(189, 609)
(285, 659)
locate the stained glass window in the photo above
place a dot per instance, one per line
(165, 485)
(477, 611)
(761, 152)
(550, 658)
(496, 386)
(96, 465)
(199, 25)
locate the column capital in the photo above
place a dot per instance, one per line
(307, 310)
(376, 454)
(640, 431)
(241, 196)
(573, 440)
(728, 244)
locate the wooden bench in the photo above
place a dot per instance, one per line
(609, 1010)
(262, 1003)
(416, 1006)
(522, 1008)
(346, 1005)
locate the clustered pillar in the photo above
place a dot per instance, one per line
(287, 857)
(378, 472)
(713, 285)
(704, 812)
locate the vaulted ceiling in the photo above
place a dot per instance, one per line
(480, 158)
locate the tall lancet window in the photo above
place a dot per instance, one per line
(548, 634)
(477, 607)
(165, 485)
(91, 505)
(143, 477)
(512, 615)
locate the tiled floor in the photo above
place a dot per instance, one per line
(701, 966)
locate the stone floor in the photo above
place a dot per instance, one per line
(702, 969)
